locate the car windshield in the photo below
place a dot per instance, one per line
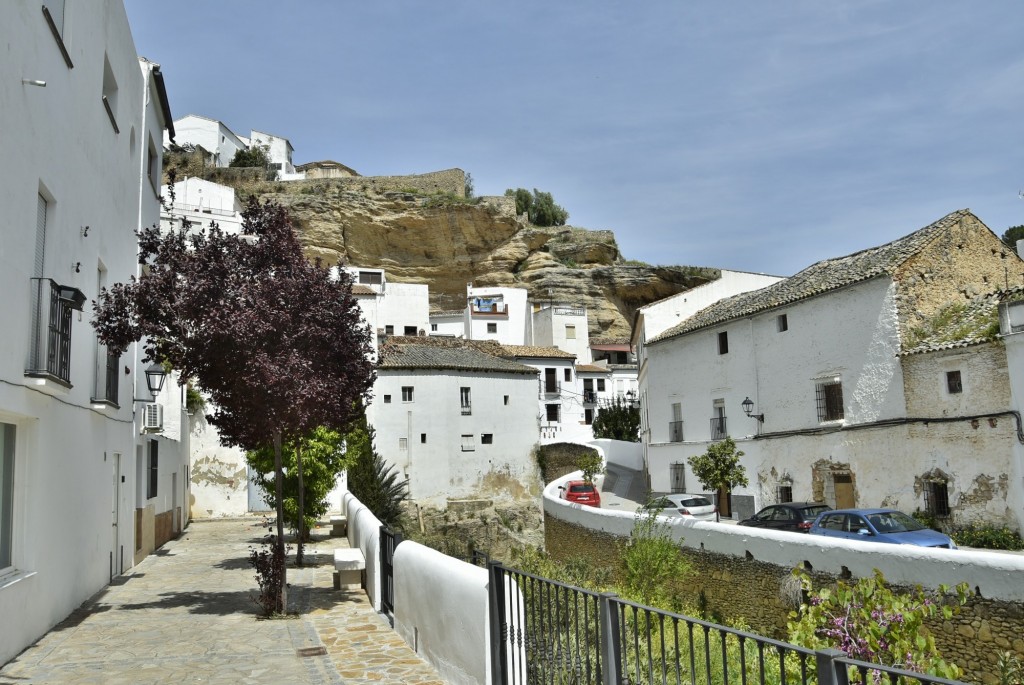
(894, 522)
(695, 502)
(811, 513)
(582, 487)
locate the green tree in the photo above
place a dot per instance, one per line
(540, 207)
(590, 463)
(324, 458)
(374, 483)
(255, 156)
(868, 621)
(1012, 235)
(719, 468)
(469, 186)
(619, 420)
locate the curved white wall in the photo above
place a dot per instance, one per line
(364, 533)
(441, 611)
(995, 576)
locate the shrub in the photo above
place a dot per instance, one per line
(988, 537)
(868, 621)
(654, 565)
(590, 464)
(268, 561)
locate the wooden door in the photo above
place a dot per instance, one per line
(844, 490)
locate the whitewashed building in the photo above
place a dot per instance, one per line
(202, 203)
(846, 406)
(210, 134)
(279, 153)
(563, 326)
(84, 118)
(455, 418)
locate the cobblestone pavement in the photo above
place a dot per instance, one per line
(184, 615)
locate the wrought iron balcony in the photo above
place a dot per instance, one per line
(718, 431)
(107, 377)
(589, 397)
(50, 351)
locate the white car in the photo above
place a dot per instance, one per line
(683, 505)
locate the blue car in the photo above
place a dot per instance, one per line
(878, 525)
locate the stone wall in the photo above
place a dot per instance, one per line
(448, 181)
(759, 593)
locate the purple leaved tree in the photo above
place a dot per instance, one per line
(276, 342)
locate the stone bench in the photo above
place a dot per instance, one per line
(339, 526)
(349, 565)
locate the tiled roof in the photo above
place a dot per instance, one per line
(592, 368)
(961, 324)
(420, 354)
(536, 352)
(360, 289)
(821, 277)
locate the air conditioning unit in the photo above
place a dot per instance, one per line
(152, 417)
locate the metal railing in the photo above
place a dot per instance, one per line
(675, 431)
(467, 410)
(389, 540)
(718, 431)
(544, 631)
(550, 389)
(589, 397)
(50, 354)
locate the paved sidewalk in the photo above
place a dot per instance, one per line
(184, 616)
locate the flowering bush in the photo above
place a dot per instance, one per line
(868, 621)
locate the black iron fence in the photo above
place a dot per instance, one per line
(389, 540)
(543, 631)
(50, 354)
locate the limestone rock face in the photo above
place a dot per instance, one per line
(447, 244)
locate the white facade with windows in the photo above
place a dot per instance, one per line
(455, 422)
(498, 314)
(202, 203)
(851, 416)
(69, 431)
(279, 153)
(565, 327)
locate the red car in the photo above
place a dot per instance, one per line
(582, 492)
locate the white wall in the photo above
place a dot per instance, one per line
(1014, 343)
(203, 202)
(364, 533)
(404, 304)
(211, 134)
(995, 575)
(454, 326)
(439, 468)
(549, 330)
(441, 610)
(64, 478)
(511, 329)
(279, 150)
(628, 454)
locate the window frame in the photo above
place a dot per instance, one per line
(466, 400)
(406, 333)
(936, 498)
(492, 328)
(152, 469)
(408, 391)
(827, 393)
(553, 408)
(8, 493)
(468, 444)
(782, 323)
(723, 342)
(954, 382)
(58, 28)
(487, 438)
(570, 331)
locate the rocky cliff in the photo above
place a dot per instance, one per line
(447, 242)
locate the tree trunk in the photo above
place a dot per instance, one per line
(282, 602)
(301, 528)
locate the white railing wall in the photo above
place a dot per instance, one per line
(364, 533)
(620, 452)
(441, 611)
(996, 576)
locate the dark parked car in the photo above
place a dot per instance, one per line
(793, 516)
(879, 525)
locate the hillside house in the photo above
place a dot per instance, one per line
(455, 418)
(84, 491)
(851, 400)
(210, 134)
(325, 169)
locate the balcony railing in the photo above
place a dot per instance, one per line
(50, 352)
(497, 309)
(467, 410)
(106, 377)
(675, 431)
(589, 397)
(718, 431)
(550, 389)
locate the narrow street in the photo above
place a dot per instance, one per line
(184, 615)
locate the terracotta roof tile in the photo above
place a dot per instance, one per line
(536, 352)
(818, 278)
(424, 353)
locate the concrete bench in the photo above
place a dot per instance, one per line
(339, 526)
(349, 565)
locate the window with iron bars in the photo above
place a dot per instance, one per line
(677, 472)
(784, 494)
(467, 407)
(829, 395)
(936, 498)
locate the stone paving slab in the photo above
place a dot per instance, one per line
(184, 615)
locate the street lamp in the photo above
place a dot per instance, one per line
(155, 376)
(748, 408)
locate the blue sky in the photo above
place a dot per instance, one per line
(750, 135)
